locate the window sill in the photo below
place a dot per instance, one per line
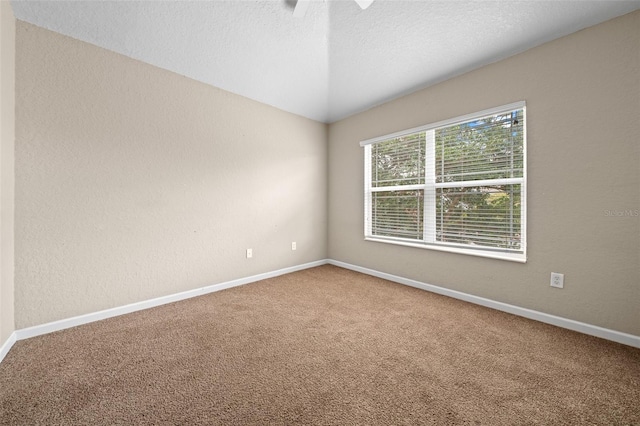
(513, 257)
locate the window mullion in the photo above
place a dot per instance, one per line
(418, 186)
(429, 225)
(485, 182)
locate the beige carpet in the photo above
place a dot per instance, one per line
(321, 346)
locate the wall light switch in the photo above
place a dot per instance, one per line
(249, 253)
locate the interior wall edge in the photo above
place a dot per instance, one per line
(7, 175)
(6, 346)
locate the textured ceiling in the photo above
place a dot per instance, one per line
(333, 62)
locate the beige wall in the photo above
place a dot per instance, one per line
(133, 182)
(583, 111)
(7, 137)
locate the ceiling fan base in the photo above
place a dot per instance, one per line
(301, 6)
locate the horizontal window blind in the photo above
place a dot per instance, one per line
(479, 216)
(399, 161)
(398, 214)
(487, 148)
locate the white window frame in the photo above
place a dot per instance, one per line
(430, 186)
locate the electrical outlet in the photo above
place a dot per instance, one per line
(293, 245)
(557, 280)
(249, 253)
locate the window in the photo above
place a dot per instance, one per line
(456, 185)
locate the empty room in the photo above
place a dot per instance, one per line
(322, 212)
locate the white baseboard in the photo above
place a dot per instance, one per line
(593, 330)
(25, 333)
(4, 349)
(50, 327)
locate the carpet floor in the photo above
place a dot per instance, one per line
(323, 346)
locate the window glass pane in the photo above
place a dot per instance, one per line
(398, 214)
(487, 216)
(488, 148)
(398, 161)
